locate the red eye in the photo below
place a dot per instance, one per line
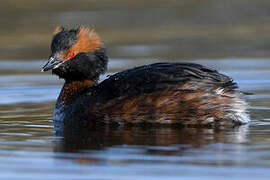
(71, 55)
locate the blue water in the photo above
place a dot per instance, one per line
(30, 149)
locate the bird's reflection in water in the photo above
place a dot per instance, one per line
(75, 138)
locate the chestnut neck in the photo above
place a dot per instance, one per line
(72, 89)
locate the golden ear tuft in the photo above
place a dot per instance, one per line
(57, 30)
(87, 40)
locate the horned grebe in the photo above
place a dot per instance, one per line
(164, 93)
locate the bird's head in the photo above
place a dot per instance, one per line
(76, 54)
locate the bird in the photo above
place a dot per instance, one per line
(183, 93)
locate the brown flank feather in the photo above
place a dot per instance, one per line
(175, 105)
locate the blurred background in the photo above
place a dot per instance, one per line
(186, 29)
(231, 36)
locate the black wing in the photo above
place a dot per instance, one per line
(153, 77)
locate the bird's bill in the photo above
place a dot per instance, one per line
(52, 63)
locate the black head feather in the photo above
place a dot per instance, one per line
(84, 65)
(63, 40)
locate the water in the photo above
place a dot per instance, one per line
(205, 32)
(30, 149)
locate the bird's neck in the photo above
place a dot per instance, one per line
(73, 89)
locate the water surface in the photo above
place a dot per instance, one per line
(135, 33)
(30, 149)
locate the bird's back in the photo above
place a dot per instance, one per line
(184, 93)
(160, 76)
